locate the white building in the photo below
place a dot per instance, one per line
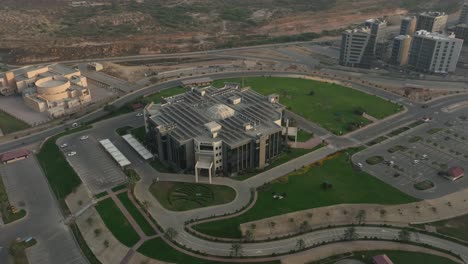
(434, 52)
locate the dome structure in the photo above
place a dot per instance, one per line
(220, 111)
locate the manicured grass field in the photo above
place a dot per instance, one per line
(145, 226)
(117, 223)
(456, 227)
(181, 196)
(9, 124)
(156, 97)
(331, 106)
(397, 257)
(7, 215)
(303, 191)
(283, 158)
(158, 249)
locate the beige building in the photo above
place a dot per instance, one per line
(56, 88)
(432, 21)
(400, 50)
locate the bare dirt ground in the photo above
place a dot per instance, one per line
(38, 31)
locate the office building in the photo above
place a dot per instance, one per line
(432, 21)
(434, 52)
(408, 26)
(354, 44)
(461, 31)
(212, 131)
(400, 50)
(463, 19)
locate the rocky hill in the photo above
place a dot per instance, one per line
(42, 30)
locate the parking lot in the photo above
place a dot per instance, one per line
(92, 163)
(415, 161)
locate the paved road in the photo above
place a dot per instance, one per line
(26, 183)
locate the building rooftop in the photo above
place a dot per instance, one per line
(432, 14)
(201, 112)
(433, 35)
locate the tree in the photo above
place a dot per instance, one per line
(311, 93)
(236, 250)
(350, 234)
(248, 236)
(272, 225)
(300, 244)
(404, 235)
(145, 204)
(361, 216)
(132, 180)
(106, 243)
(97, 232)
(170, 233)
(304, 227)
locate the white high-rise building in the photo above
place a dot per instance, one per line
(434, 52)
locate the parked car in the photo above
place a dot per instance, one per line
(71, 153)
(84, 137)
(139, 114)
(64, 145)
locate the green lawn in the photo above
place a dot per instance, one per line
(158, 249)
(17, 251)
(9, 124)
(61, 176)
(303, 191)
(397, 257)
(123, 130)
(139, 218)
(139, 134)
(456, 227)
(156, 97)
(331, 106)
(303, 136)
(7, 215)
(117, 223)
(182, 196)
(288, 155)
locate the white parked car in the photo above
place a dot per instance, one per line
(64, 145)
(71, 153)
(84, 137)
(139, 114)
(359, 165)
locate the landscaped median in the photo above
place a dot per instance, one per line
(331, 181)
(61, 176)
(9, 214)
(117, 223)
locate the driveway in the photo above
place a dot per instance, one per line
(26, 183)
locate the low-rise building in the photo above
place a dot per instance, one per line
(56, 88)
(455, 173)
(213, 131)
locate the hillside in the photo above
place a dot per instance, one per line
(43, 30)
